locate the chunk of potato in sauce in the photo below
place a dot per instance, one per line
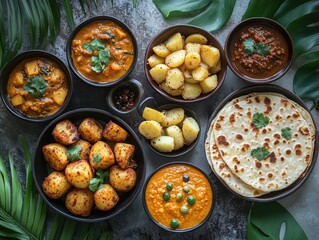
(116, 40)
(51, 100)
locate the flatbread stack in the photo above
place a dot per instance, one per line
(260, 143)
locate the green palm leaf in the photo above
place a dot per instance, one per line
(23, 216)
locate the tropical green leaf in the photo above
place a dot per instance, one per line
(257, 8)
(287, 6)
(55, 10)
(2, 35)
(215, 16)
(265, 221)
(69, 12)
(176, 8)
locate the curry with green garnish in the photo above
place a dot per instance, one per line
(102, 51)
(37, 87)
(179, 196)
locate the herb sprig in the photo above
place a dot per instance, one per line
(260, 120)
(73, 153)
(102, 59)
(286, 133)
(97, 182)
(260, 153)
(36, 86)
(252, 47)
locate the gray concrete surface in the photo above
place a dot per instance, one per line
(229, 217)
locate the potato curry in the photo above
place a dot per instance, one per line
(102, 51)
(37, 87)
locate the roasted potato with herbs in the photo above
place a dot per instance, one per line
(101, 156)
(85, 148)
(56, 185)
(152, 114)
(176, 133)
(185, 62)
(90, 130)
(105, 198)
(123, 154)
(55, 155)
(65, 132)
(114, 132)
(150, 129)
(79, 174)
(80, 202)
(173, 117)
(122, 180)
(190, 130)
(163, 143)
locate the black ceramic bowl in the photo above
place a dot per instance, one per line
(177, 230)
(132, 85)
(185, 31)
(188, 112)
(69, 50)
(234, 37)
(41, 169)
(9, 67)
(276, 195)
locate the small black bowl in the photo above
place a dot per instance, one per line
(41, 169)
(269, 88)
(185, 229)
(69, 50)
(9, 67)
(188, 112)
(134, 86)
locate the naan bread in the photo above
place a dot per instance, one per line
(236, 136)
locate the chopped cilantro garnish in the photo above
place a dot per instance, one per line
(260, 153)
(251, 47)
(286, 133)
(73, 153)
(97, 182)
(36, 86)
(260, 120)
(97, 158)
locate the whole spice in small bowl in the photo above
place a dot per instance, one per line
(124, 97)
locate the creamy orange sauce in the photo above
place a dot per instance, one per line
(164, 211)
(54, 95)
(115, 39)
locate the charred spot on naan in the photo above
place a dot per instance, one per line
(222, 140)
(304, 131)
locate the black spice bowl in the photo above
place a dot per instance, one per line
(124, 97)
(41, 169)
(33, 55)
(69, 50)
(250, 59)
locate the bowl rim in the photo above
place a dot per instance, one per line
(185, 229)
(187, 149)
(134, 193)
(32, 54)
(178, 99)
(78, 28)
(262, 21)
(275, 195)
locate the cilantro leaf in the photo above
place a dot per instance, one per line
(73, 153)
(105, 56)
(96, 44)
(262, 49)
(286, 133)
(260, 153)
(97, 158)
(36, 86)
(102, 59)
(102, 174)
(249, 45)
(260, 120)
(94, 184)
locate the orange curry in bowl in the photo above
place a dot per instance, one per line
(37, 87)
(102, 51)
(179, 196)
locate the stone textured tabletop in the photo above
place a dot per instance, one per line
(228, 220)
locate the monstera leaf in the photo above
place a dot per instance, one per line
(271, 221)
(23, 216)
(301, 19)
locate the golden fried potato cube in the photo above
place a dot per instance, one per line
(114, 132)
(17, 79)
(123, 154)
(159, 72)
(154, 60)
(175, 42)
(65, 132)
(152, 114)
(17, 100)
(59, 96)
(32, 68)
(209, 84)
(210, 55)
(56, 75)
(90, 130)
(121, 34)
(161, 50)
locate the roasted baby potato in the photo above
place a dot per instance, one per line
(192, 60)
(55, 155)
(150, 129)
(85, 148)
(114, 132)
(191, 91)
(155, 60)
(56, 185)
(209, 84)
(196, 38)
(175, 59)
(175, 42)
(190, 130)
(65, 132)
(123, 154)
(172, 92)
(176, 133)
(200, 73)
(152, 114)
(210, 55)
(80, 202)
(79, 174)
(173, 117)
(174, 78)
(122, 180)
(163, 143)
(101, 156)
(90, 130)
(105, 198)
(159, 72)
(161, 50)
